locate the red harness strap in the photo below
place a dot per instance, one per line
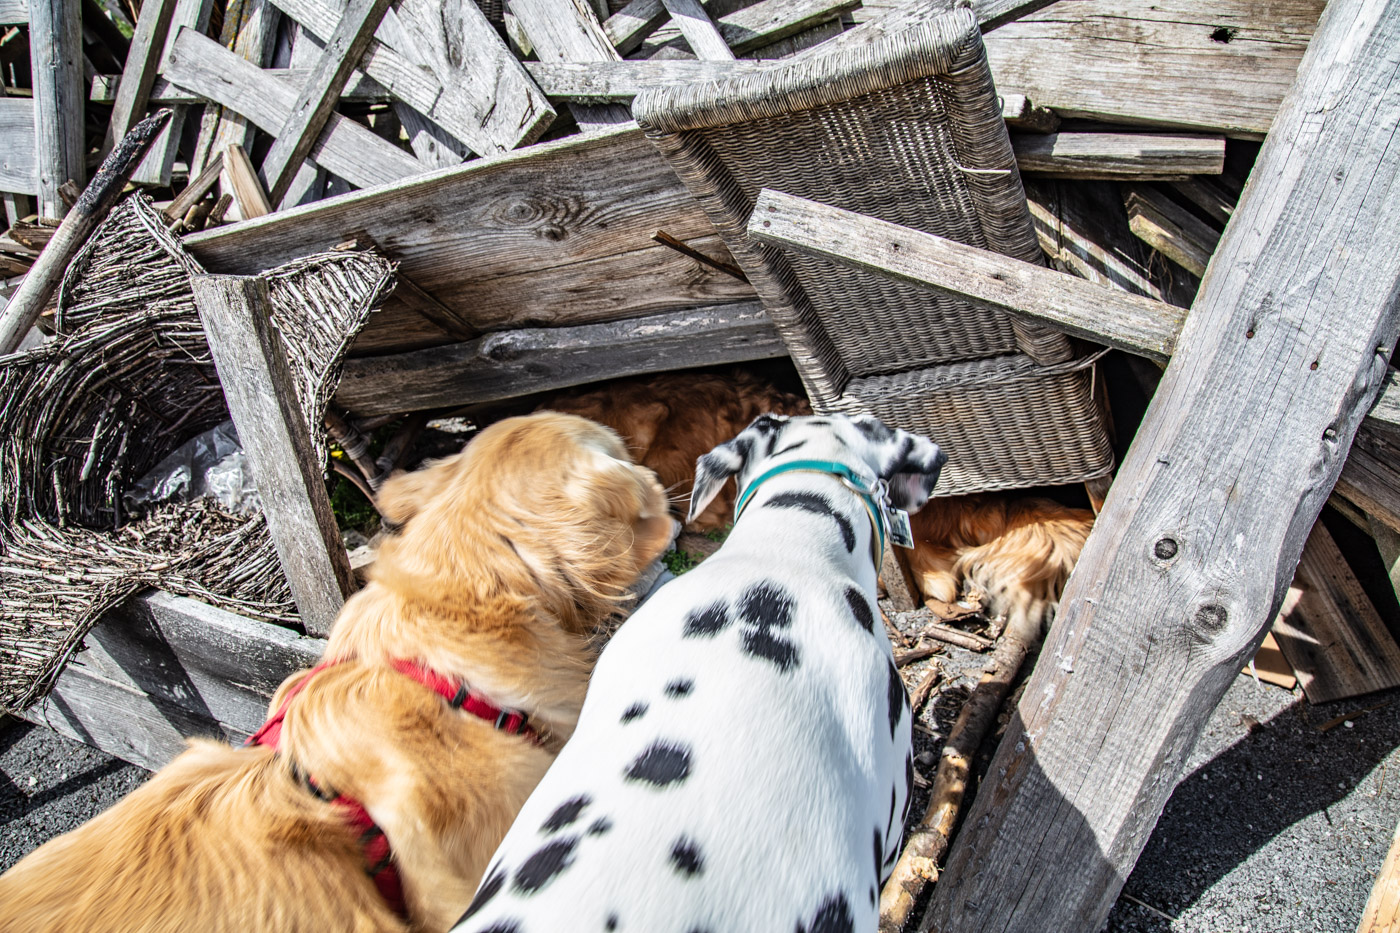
(375, 844)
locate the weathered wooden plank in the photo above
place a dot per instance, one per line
(250, 30)
(1083, 228)
(142, 59)
(163, 91)
(19, 170)
(1372, 482)
(769, 21)
(195, 191)
(1385, 413)
(983, 278)
(1021, 113)
(1237, 453)
(556, 234)
(622, 80)
(1334, 639)
(345, 147)
(319, 95)
(568, 31)
(245, 185)
(454, 40)
(1382, 914)
(1209, 196)
(460, 108)
(155, 169)
(629, 26)
(14, 12)
(160, 668)
(1171, 230)
(1112, 156)
(55, 56)
(252, 368)
(1169, 63)
(510, 364)
(699, 30)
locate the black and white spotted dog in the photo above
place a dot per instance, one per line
(742, 761)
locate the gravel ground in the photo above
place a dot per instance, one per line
(1278, 825)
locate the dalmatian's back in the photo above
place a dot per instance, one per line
(742, 761)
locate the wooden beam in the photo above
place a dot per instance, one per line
(1333, 637)
(163, 91)
(1209, 196)
(1113, 156)
(248, 191)
(510, 364)
(319, 95)
(19, 170)
(768, 21)
(556, 234)
(1156, 62)
(156, 168)
(1171, 230)
(1371, 482)
(466, 109)
(623, 80)
(250, 31)
(1382, 914)
(1385, 413)
(195, 191)
(984, 278)
(93, 206)
(142, 60)
(257, 385)
(1234, 459)
(55, 57)
(14, 12)
(345, 147)
(568, 31)
(159, 669)
(1021, 113)
(699, 30)
(629, 26)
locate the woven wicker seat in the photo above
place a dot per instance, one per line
(908, 130)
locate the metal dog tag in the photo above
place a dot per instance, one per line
(897, 520)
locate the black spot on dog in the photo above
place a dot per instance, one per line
(611, 923)
(679, 688)
(890, 821)
(685, 855)
(566, 813)
(662, 764)
(872, 429)
(488, 890)
(872, 895)
(908, 785)
(706, 621)
(879, 853)
(542, 867)
(790, 447)
(503, 926)
(860, 608)
(766, 606)
(635, 711)
(600, 826)
(781, 652)
(898, 697)
(834, 916)
(817, 505)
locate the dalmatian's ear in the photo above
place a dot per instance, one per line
(912, 471)
(729, 458)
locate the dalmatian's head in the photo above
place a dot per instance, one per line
(908, 463)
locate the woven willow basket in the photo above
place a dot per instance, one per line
(909, 130)
(127, 380)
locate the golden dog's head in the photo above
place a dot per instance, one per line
(545, 507)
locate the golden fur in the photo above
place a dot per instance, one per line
(1017, 552)
(510, 552)
(669, 420)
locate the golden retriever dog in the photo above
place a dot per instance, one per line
(509, 554)
(1015, 552)
(668, 421)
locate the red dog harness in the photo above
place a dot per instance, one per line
(378, 855)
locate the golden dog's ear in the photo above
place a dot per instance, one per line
(616, 488)
(403, 495)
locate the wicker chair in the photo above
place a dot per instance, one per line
(908, 130)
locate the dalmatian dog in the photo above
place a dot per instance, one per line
(742, 761)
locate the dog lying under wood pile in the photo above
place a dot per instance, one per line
(1016, 554)
(669, 420)
(743, 760)
(374, 795)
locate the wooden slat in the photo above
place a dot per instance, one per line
(699, 30)
(768, 21)
(1382, 914)
(1171, 230)
(55, 54)
(981, 277)
(319, 95)
(1232, 463)
(568, 31)
(345, 147)
(196, 189)
(1334, 638)
(14, 12)
(1112, 156)
(558, 234)
(160, 668)
(510, 364)
(464, 109)
(1371, 482)
(361, 88)
(1157, 62)
(1385, 413)
(630, 25)
(623, 80)
(453, 39)
(160, 159)
(257, 385)
(250, 30)
(1021, 113)
(1209, 196)
(245, 185)
(142, 60)
(19, 171)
